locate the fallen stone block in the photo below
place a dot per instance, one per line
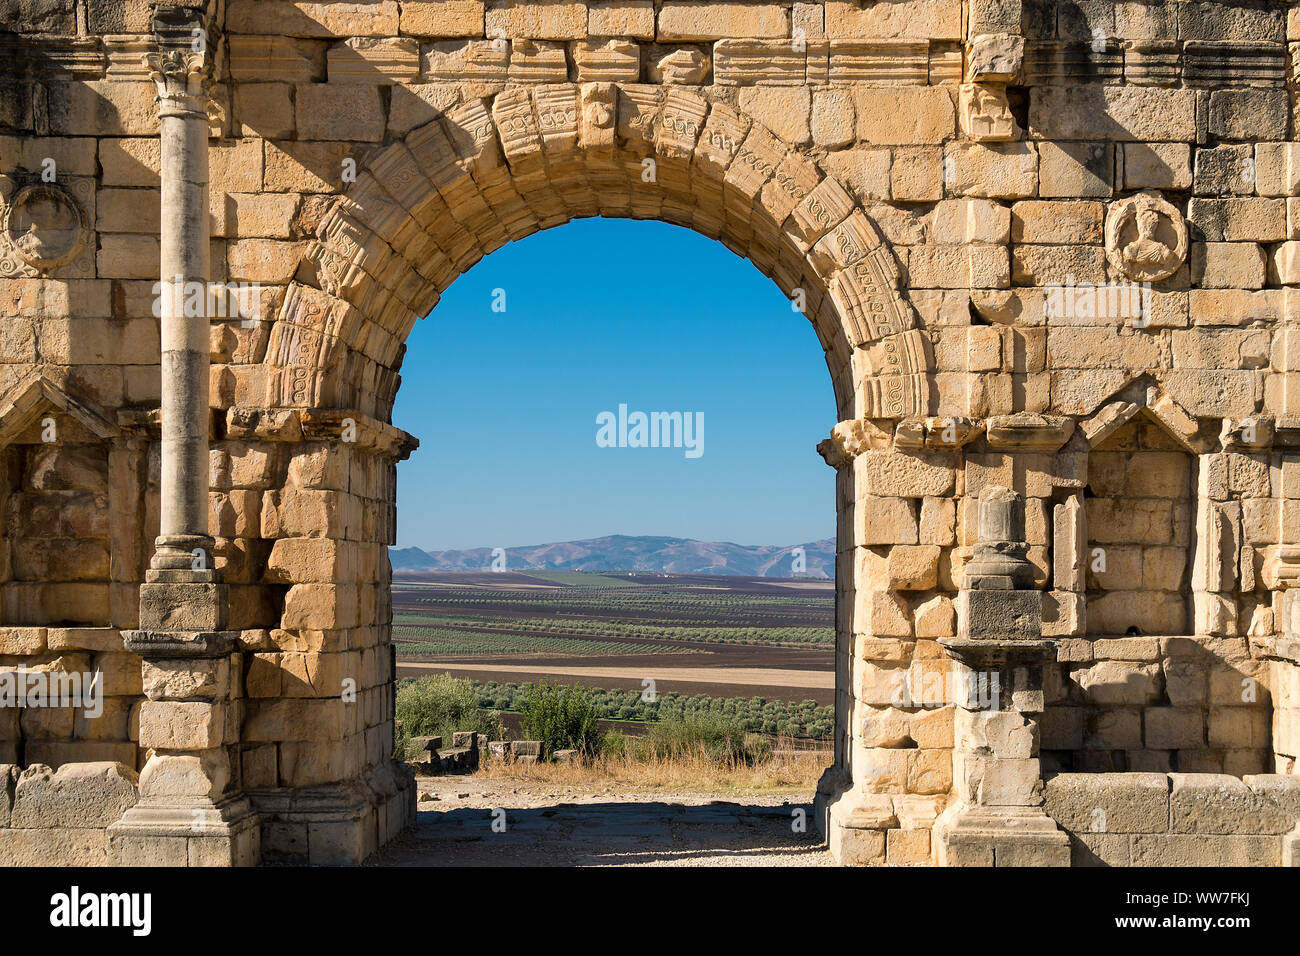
(458, 759)
(426, 745)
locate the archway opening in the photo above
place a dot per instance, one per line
(616, 492)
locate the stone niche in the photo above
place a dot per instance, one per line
(56, 548)
(67, 541)
(1139, 510)
(1139, 686)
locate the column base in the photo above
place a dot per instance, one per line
(999, 836)
(339, 824)
(855, 826)
(202, 834)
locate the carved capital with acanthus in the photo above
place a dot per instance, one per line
(182, 65)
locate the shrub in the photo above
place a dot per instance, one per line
(562, 718)
(401, 740)
(720, 739)
(614, 744)
(440, 706)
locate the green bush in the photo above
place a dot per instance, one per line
(615, 743)
(562, 718)
(720, 738)
(439, 706)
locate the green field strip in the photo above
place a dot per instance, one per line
(434, 640)
(580, 627)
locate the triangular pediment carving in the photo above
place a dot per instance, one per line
(37, 395)
(1146, 396)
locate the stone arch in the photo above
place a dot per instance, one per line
(425, 209)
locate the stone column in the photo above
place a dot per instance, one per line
(180, 72)
(998, 818)
(191, 811)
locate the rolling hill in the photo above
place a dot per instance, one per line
(620, 552)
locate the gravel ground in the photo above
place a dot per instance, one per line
(601, 826)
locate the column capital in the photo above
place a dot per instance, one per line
(182, 66)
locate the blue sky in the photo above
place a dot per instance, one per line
(603, 312)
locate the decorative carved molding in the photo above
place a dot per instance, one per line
(80, 58)
(1050, 62)
(887, 62)
(607, 60)
(1282, 568)
(993, 60)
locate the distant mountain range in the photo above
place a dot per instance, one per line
(621, 552)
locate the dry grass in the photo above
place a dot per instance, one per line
(786, 770)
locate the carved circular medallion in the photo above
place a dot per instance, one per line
(1146, 237)
(46, 226)
(600, 115)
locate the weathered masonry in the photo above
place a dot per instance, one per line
(1048, 248)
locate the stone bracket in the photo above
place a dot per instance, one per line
(979, 654)
(159, 644)
(347, 426)
(1029, 432)
(941, 433)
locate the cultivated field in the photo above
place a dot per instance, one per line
(692, 635)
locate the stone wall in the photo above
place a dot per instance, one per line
(1047, 248)
(59, 735)
(1197, 705)
(1179, 819)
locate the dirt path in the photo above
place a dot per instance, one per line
(550, 825)
(721, 681)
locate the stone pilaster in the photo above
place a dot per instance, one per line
(191, 811)
(998, 818)
(993, 60)
(1282, 650)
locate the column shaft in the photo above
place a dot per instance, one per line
(185, 348)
